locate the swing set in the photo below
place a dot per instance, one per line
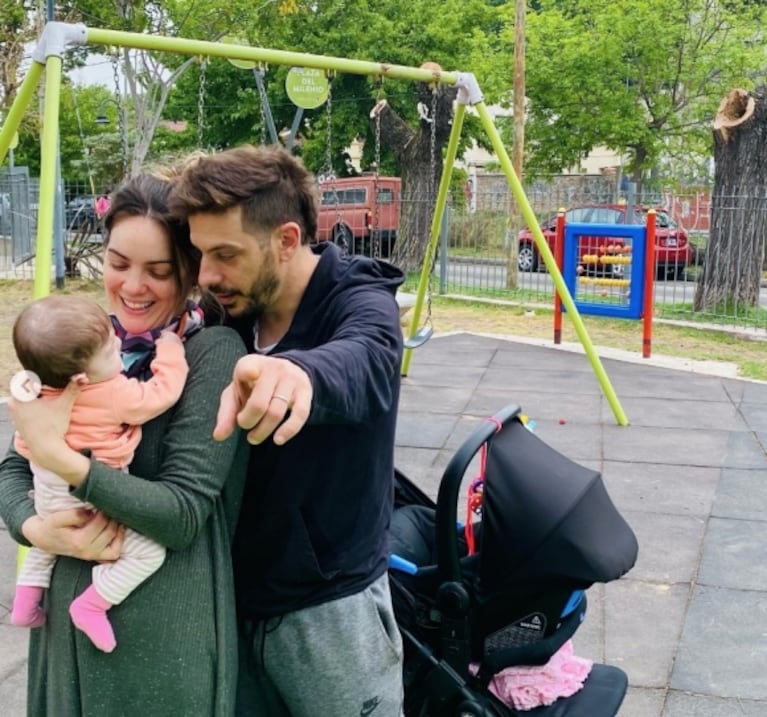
(58, 37)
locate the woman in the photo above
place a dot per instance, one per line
(176, 651)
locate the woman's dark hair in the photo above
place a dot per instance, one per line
(146, 195)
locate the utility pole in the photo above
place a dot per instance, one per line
(518, 150)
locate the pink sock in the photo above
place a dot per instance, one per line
(26, 610)
(89, 614)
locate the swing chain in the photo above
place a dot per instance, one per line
(260, 72)
(121, 128)
(201, 100)
(328, 175)
(432, 187)
(374, 233)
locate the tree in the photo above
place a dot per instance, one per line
(735, 251)
(394, 32)
(419, 153)
(149, 77)
(90, 153)
(649, 85)
(16, 29)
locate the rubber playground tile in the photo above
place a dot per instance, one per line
(741, 494)
(723, 651)
(733, 555)
(642, 627)
(682, 704)
(755, 415)
(663, 383)
(669, 546)
(559, 381)
(746, 449)
(536, 406)
(451, 399)
(424, 430)
(681, 413)
(660, 488)
(674, 446)
(579, 442)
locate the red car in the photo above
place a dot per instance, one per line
(673, 251)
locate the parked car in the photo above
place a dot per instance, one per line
(355, 211)
(81, 213)
(673, 251)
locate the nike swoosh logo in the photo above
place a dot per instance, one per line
(369, 706)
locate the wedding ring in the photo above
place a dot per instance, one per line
(25, 386)
(280, 398)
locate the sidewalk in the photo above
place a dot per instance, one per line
(689, 623)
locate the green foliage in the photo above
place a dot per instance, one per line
(479, 233)
(643, 78)
(88, 150)
(451, 33)
(16, 28)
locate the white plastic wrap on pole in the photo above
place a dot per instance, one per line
(56, 38)
(468, 89)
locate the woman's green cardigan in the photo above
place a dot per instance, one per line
(176, 634)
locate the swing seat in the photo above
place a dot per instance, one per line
(419, 338)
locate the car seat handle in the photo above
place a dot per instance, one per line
(447, 498)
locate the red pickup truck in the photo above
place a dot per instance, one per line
(355, 211)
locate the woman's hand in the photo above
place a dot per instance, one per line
(42, 425)
(78, 533)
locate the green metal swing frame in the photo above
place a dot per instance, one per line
(58, 37)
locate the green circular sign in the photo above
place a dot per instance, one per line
(241, 64)
(306, 87)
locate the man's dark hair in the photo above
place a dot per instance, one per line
(270, 184)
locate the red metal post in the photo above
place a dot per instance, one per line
(559, 253)
(649, 284)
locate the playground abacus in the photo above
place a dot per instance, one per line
(628, 292)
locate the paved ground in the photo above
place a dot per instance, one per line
(689, 622)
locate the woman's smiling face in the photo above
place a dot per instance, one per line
(139, 274)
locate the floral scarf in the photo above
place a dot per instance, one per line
(138, 349)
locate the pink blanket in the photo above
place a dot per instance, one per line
(527, 687)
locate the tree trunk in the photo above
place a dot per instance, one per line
(736, 245)
(419, 154)
(149, 85)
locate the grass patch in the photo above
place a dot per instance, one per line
(478, 316)
(724, 314)
(667, 339)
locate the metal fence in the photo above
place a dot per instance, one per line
(479, 249)
(18, 211)
(18, 223)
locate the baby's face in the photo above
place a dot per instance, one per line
(106, 362)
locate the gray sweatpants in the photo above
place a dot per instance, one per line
(339, 659)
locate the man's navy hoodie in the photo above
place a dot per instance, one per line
(316, 511)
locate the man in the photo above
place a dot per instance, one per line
(318, 397)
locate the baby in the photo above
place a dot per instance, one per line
(61, 339)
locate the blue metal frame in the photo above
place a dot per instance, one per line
(636, 237)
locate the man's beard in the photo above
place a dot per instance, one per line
(261, 294)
